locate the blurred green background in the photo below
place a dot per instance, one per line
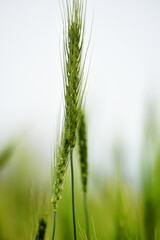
(117, 209)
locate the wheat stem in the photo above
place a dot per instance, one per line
(86, 215)
(73, 200)
(54, 224)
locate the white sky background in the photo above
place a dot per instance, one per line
(124, 73)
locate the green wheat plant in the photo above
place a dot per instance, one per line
(83, 152)
(73, 16)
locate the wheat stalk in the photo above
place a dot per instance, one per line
(73, 69)
(73, 78)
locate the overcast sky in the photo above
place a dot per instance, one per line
(124, 72)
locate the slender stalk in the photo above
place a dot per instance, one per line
(73, 201)
(54, 224)
(86, 215)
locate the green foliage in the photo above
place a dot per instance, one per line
(116, 209)
(6, 154)
(151, 180)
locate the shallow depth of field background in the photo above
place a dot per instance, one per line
(122, 107)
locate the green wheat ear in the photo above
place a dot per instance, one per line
(73, 69)
(41, 230)
(83, 152)
(59, 170)
(82, 142)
